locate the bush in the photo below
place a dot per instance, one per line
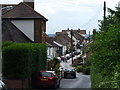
(7, 43)
(16, 61)
(20, 60)
(105, 62)
(79, 68)
(86, 70)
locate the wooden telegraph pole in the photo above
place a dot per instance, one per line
(71, 44)
(104, 14)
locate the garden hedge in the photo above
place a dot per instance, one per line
(20, 60)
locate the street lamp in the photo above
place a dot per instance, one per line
(1, 8)
(0, 43)
(72, 44)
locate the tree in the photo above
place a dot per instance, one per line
(105, 62)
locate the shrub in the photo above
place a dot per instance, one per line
(86, 70)
(16, 61)
(55, 62)
(79, 68)
(105, 62)
(7, 43)
(20, 60)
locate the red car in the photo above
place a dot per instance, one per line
(48, 79)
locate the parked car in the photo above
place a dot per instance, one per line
(48, 79)
(69, 73)
(2, 85)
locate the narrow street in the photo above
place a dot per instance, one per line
(81, 81)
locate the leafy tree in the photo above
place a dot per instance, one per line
(105, 62)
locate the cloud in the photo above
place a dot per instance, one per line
(45, 9)
(62, 14)
(10, 1)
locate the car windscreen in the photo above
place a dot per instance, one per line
(46, 74)
(69, 70)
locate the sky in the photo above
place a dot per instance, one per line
(72, 14)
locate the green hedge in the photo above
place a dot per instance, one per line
(20, 60)
(7, 43)
(79, 68)
(86, 70)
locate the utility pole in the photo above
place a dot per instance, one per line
(71, 44)
(104, 14)
(89, 36)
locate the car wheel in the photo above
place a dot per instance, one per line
(75, 76)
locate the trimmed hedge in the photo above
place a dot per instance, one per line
(20, 60)
(7, 43)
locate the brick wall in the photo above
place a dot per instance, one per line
(10, 83)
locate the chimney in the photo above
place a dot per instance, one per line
(29, 2)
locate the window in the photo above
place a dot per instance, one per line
(46, 74)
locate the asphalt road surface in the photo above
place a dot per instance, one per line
(81, 81)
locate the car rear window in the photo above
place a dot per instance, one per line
(45, 74)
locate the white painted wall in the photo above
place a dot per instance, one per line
(49, 51)
(26, 26)
(64, 49)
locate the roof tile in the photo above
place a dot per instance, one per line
(22, 10)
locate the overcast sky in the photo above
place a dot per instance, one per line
(72, 14)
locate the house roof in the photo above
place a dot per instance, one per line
(57, 44)
(11, 33)
(7, 7)
(22, 11)
(79, 31)
(62, 38)
(77, 35)
(82, 31)
(50, 41)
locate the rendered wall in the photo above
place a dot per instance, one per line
(26, 26)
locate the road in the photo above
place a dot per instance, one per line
(82, 81)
